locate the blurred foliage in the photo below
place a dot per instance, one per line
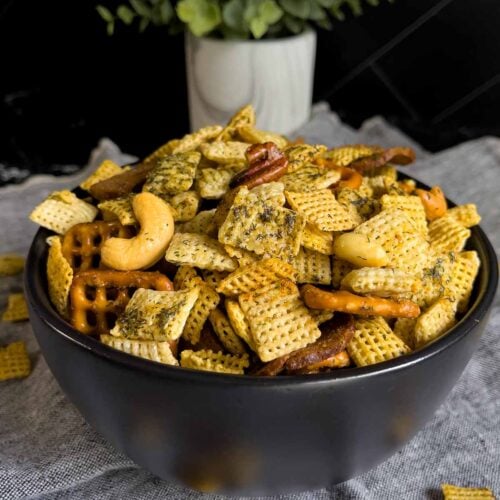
(236, 19)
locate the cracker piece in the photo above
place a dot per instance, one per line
(208, 360)
(320, 315)
(310, 178)
(200, 251)
(225, 152)
(14, 361)
(382, 282)
(406, 248)
(272, 192)
(340, 269)
(452, 492)
(465, 215)
(11, 264)
(226, 333)
(253, 135)
(201, 223)
(262, 227)
(244, 257)
(404, 328)
(155, 315)
(173, 174)
(105, 170)
(238, 321)
(279, 321)
(17, 309)
(299, 155)
(148, 349)
(344, 155)
(438, 319)
(374, 342)
(320, 241)
(411, 205)
(185, 205)
(185, 277)
(447, 235)
(213, 278)
(213, 183)
(193, 141)
(62, 210)
(245, 116)
(461, 282)
(208, 300)
(119, 208)
(321, 209)
(255, 276)
(313, 267)
(59, 276)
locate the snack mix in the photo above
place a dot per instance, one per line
(235, 250)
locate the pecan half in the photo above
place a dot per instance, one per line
(266, 163)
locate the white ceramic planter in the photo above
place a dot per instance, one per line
(276, 76)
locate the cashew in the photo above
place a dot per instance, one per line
(149, 246)
(359, 250)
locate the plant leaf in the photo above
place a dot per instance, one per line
(258, 27)
(143, 24)
(296, 8)
(326, 3)
(201, 16)
(141, 8)
(233, 15)
(166, 11)
(293, 24)
(270, 12)
(110, 28)
(125, 14)
(105, 13)
(317, 13)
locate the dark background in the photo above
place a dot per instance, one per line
(431, 68)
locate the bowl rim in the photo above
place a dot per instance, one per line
(486, 283)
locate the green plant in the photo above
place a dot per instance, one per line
(241, 19)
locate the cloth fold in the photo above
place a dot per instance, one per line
(48, 451)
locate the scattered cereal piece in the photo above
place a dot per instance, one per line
(452, 492)
(17, 309)
(14, 361)
(11, 264)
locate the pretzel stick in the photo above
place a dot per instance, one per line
(347, 302)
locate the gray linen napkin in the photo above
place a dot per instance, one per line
(48, 451)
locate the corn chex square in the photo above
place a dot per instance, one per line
(62, 210)
(321, 209)
(244, 257)
(320, 315)
(148, 349)
(255, 276)
(382, 282)
(461, 282)
(435, 278)
(119, 208)
(201, 223)
(313, 267)
(14, 361)
(11, 264)
(213, 183)
(185, 205)
(452, 492)
(238, 321)
(411, 205)
(105, 170)
(320, 241)
(279, 321)
(310, 178)
(208, 360)
(17, 309)
(172, 175)
(193, 141)
(344, 155)
(364, 206)
(271, 192)
(262, 227)
(374, 342)
(225, 332)
(200, 251)
(447, 235)
(59, 276)
(155, 315)
(465, 215)
(185, 277)
(252, 135)
(435, 321)
(208, 300)
(406, 248)
(404, 328)
(230, 152)
(299, 155)
(245, 116)
(340, 269)
(214, 278)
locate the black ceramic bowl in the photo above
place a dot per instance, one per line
(251, 435)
